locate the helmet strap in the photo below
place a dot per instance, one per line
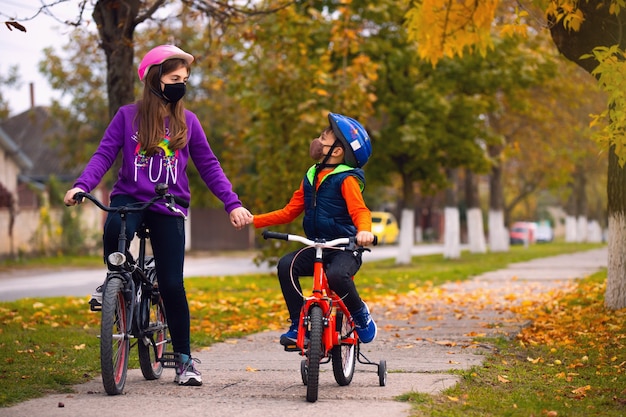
(159, 93)
(320, 166)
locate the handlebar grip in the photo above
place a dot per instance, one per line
(375, 242)
(274, 235)
(78, 197)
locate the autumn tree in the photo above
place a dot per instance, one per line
(8, 81)
(287, 92)
(585, 32)
(423, 123)
(552, 130)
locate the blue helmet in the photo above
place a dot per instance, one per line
(353, 137)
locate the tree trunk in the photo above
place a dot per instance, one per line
(581, 205)
(116, 26)
(615, 295)
(452, 223)
(571, 228)
(498, 234)
(475, 228)
(407, 226)
(599, 28)
(407, 223)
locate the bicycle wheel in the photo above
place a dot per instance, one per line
(154, 337)
(314, 353)
(114, 341)
(343, 355)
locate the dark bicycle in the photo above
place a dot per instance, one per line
(132, 308)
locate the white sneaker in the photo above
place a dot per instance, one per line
(186, 373)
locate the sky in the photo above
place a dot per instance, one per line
(25, 49)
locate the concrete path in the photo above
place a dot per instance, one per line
(19, 284)
(424, 336)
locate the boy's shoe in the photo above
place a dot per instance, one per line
(95, 304)
(364, 324)
(186, 373)
(291, 337)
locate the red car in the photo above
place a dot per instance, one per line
(523, 232)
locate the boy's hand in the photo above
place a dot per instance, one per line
(364, 238)
(240, 217)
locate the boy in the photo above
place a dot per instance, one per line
(331, 197)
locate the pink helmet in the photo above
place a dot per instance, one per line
(158, 55)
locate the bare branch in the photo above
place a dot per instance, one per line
(149, 12)
(46, 9)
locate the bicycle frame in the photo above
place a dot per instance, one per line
(131, 273)
(326, 299)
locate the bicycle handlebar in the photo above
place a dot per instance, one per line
(162, 194)
(350, 241)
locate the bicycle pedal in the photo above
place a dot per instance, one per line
(95, 306)
(170, 359)
(292, 348)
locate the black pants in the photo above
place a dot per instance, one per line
(167, 237)
(340, 268)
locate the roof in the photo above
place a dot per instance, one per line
(36, 133)
(11, 148)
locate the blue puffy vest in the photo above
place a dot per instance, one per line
(327, 217)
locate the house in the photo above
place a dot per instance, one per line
(28, 223)
(14, 161)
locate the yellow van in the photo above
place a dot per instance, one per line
(385, 226)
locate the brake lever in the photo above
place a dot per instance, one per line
(172, 207)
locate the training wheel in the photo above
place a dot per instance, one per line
(382, 373)
(304, 371)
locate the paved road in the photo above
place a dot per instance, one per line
(423, 335)
(72, 282)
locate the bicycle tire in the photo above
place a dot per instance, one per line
(114, 341)
(154, 334)
(314, 353)
(343, 356)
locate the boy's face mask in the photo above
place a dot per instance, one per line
(316, 149)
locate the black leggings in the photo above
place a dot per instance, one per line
(167, 237)
(340, 268)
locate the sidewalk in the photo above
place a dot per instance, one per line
(422, 340)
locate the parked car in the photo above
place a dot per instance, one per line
(385, 226)
(523, 232)
(544, 232)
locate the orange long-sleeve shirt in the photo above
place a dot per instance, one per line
(350, 190)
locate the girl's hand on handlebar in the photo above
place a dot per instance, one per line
(364, 238)
(69, 196)
(240, 217)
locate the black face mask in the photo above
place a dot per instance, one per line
(173, 92)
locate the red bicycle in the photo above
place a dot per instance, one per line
(327, 322)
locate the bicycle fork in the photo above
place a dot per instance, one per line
(128, 293)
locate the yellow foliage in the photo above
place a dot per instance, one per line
(447, 28)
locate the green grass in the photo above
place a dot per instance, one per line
(49, 344)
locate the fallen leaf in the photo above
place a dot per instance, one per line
(503, 379)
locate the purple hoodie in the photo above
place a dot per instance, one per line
(139, 174)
